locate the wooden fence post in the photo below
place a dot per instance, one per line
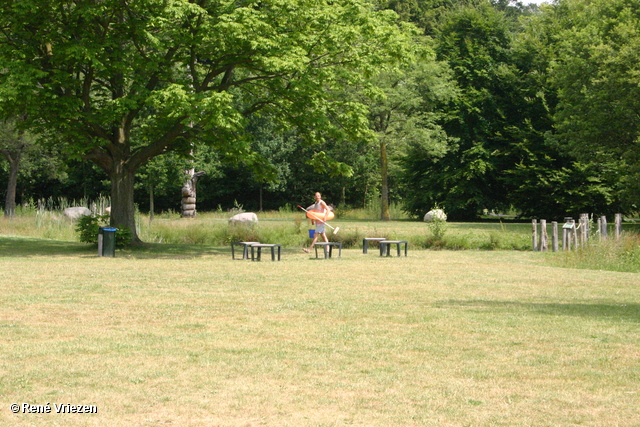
(544, 238)
(603, 230)
(534, 234)
(569, 235)
(618, 226)
(554, 235)
(584, 229)
(600, 227)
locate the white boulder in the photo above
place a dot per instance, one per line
(244, 218)
(435, 214)
(76, 212)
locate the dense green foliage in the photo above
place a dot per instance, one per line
(120, 83)
(489, 105)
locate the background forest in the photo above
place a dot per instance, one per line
(488, 105)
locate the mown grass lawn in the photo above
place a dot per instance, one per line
(183, 335)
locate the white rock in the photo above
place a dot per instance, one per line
(244, 217)
(435, 214)
(76, 212)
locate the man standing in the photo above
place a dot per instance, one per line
(319, 206)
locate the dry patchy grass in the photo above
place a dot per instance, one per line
(435, 339)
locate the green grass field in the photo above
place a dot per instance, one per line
(174, 334)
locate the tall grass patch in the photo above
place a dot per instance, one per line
(209, 230)
(613, 255)
(286, 227)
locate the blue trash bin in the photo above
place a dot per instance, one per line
(312, 232)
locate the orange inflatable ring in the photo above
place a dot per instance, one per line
(317, 215)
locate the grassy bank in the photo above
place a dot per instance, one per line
(172, 335)
(286, 227)
(290, 229)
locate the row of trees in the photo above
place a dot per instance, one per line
(465, 104)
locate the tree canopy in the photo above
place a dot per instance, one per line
(513, 107)
(119, 83)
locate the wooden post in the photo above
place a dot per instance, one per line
(534, 234)
(600, 227)
(618, 226)
(554, 238)
(574, 229)
(544, 246)
(567, 233)
(603, 231)
(584, 229)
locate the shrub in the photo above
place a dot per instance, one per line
(88, 228)
(437, 223)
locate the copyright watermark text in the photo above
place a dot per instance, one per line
(55, 408)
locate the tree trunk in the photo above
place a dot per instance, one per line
(384, 191)
(14, 166)
(122, 206)
(151, 203)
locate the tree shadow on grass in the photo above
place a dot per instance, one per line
(623, 312)
(171, 251)
(25, 247)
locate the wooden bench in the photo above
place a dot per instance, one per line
(328, 247)
(245, 249)
(259, 246)
(366, 240)
(385, 247)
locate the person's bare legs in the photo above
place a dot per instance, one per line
(315, 239)
(313, 242)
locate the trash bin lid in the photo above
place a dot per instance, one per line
(110, 229)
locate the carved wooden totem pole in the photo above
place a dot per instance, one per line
(189, 193)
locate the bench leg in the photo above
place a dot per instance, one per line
(365, 246)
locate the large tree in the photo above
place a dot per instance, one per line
(485, 118)
(403, 116)
(13, 144)
(120, 82)
(596, 74)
